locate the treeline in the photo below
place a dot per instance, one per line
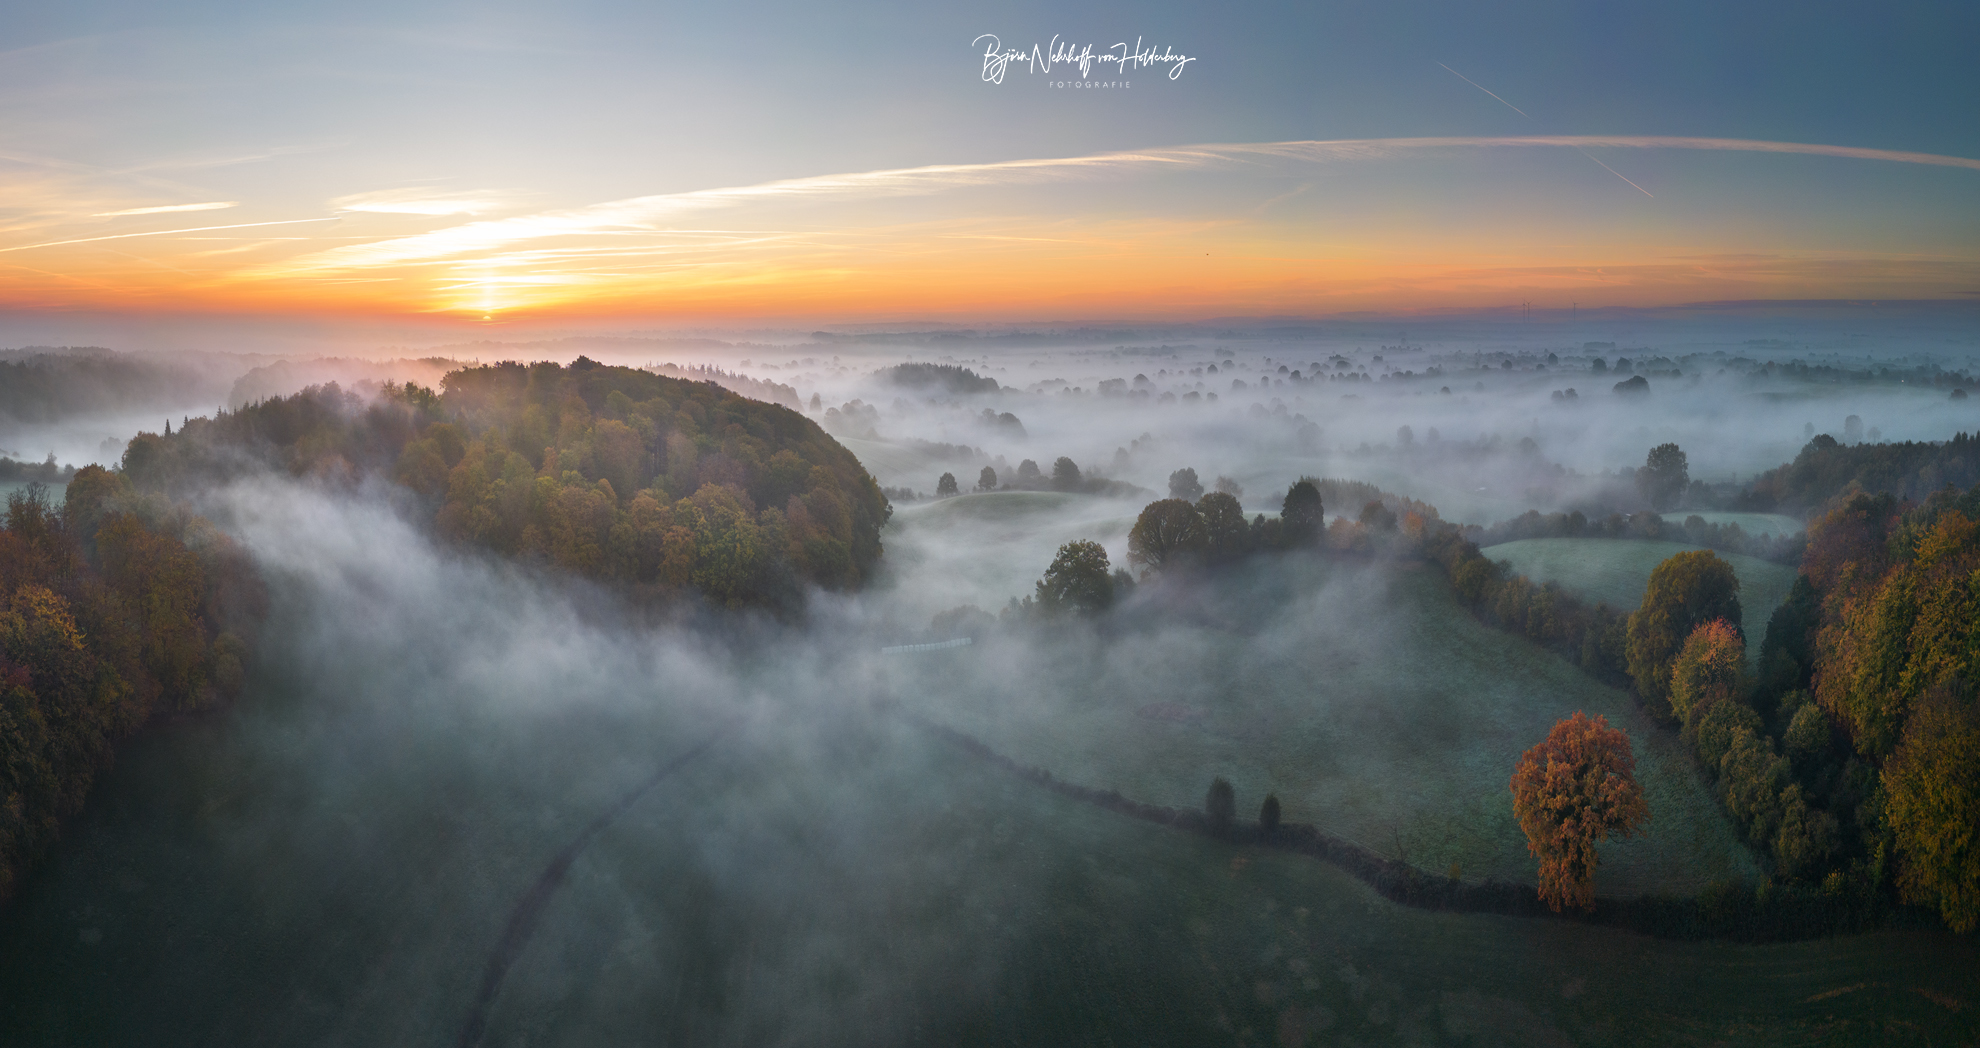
(1828, 374)
(1826, 470)
(1066, 476)
(47, 472)
(754, 388)
(1335, 492)
(946, 378)
(45, 384)
(114, 608)
(1593, 636)
(1883, 629)
(661, 485)
(1731, 538)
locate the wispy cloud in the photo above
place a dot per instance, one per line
(213, 205)
(163, 232)
(424, 202)
(649, 214)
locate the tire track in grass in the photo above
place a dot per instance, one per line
(529, 909)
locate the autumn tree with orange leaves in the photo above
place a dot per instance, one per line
(1570, 793)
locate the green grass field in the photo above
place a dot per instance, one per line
(1751, 523)
(987, 548)
(897, 465)
(1367, 699)
(1616, 571)
(847, 884)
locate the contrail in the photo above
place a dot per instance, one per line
(1475, 83)
(1614, 172)
(165, 232)
(1522, 112)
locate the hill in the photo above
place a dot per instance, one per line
(617, 474)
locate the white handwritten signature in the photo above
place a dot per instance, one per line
(997, 58)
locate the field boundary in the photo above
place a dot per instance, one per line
(1738, 911)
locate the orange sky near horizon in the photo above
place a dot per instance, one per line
(1267, 229)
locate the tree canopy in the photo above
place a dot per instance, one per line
(1302, 514)
(113, 609)
(613, 473)
(1685, 591)
(1184, 485)
(1664, 476)
(1571, 792)
(1169, 532)
(1079, 580)
(1934, 784)
(1707, 670)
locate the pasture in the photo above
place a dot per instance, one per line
(1363, 695)
(1617, 571)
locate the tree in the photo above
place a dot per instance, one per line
(1301, 514)
(1028, 475)
(1065, 475)
(1933, 780)
(1268, 815)
(1079, 580)
(1227, 535)
(1686, 590)
(1664, 476)
(945, 486)
(1377, 517)
(986, 480)
(1229, 487)
(1220, 806)
(1184, 485)
(1571, 792)
(1707, 670)
(1168, 533)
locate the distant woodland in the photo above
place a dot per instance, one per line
(43, 385)
(1826, 470)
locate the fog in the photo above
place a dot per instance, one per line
(336, 859)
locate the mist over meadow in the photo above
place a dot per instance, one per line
(477, 797)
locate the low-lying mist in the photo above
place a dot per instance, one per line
(474, 800)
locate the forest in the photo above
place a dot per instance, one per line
(662, 485)
(1828, 469)
(119, 608)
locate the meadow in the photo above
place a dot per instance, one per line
(989, 547)
(1363, 695)
(1617, 571)
(844, 882)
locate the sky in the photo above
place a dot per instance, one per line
(621, 166)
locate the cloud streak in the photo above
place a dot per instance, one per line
(647, 214)
(164, 232)
(214, 205)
